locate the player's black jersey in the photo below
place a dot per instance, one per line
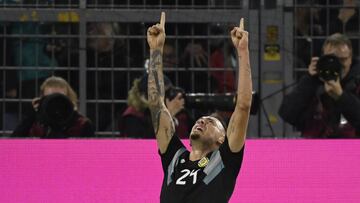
(210, 179)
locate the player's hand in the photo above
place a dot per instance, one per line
(312, 66)
(175, 105)
(240, 38)
(156, 34)
(333, 88)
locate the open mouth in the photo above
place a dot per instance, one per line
(199, 128)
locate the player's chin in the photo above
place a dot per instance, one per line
(194, 136)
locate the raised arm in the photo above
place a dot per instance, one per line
(160, 116)
(236, 131)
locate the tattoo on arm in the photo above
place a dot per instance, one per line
(156, 67)
(156, 91)
(155, 117)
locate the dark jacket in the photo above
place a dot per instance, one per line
(32, 126)
(137, 124)
(317, 115)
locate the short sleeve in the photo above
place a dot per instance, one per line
(174, 146)
(231, 160)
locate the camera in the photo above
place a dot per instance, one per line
(329, 67)
(205, 101)
(56, 110)
(219, 101)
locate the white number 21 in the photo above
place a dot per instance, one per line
(187, 173)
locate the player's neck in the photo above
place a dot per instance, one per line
(200, 149)
(197, 154)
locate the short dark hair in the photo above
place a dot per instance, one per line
(221, 119)
(338, 39)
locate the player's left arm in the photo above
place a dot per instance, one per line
(236, 132)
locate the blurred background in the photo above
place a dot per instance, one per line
(100, 48)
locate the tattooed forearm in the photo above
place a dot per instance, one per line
(160, 116)
(156, 91)
(155, 118)
(156, 113)
(156, 72)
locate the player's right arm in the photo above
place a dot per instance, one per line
(162, 121)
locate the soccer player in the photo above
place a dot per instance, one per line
(208, 172)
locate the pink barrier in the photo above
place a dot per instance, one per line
(130, 171)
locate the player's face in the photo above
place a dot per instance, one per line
(208, 129)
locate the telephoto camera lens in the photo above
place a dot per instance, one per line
(329, 67)
(56, 110)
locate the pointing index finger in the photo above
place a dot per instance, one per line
(162, 20)
(241, 26)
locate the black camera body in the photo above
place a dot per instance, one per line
(56, 110)
(222, 101)
(329, 67)
(205, 101)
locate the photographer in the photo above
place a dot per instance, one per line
(135, 121)
(326, 101)
(54, 113)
